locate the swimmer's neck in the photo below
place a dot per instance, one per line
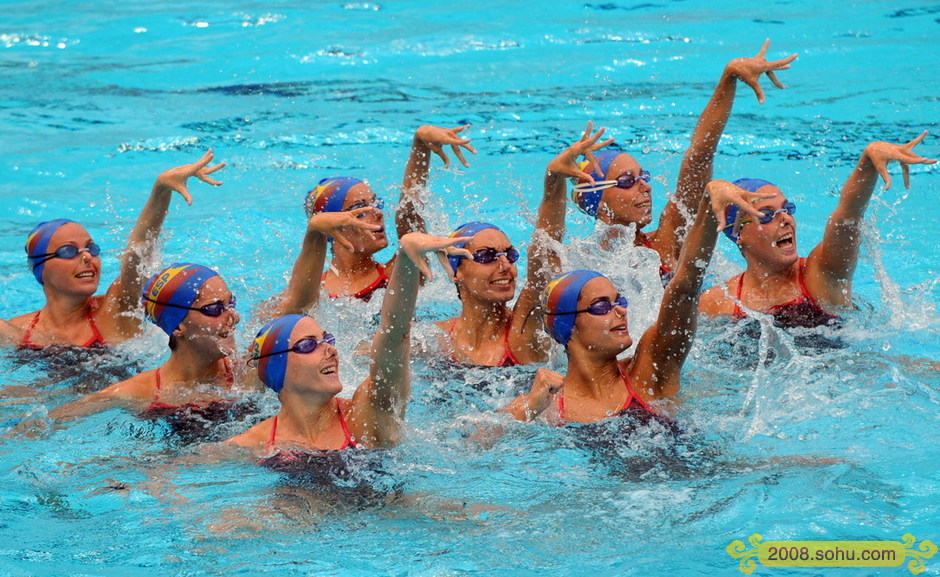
(187, 365)
(348, 265)
(593, 376)
(766, 279)
(614, 233)
(480, 322)
(306, 418)
(66, 310)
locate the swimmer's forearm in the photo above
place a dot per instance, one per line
(408, 218)
(303, 287)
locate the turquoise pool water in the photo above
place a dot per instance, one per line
(97, 98)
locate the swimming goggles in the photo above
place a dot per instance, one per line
(598, 308)
(375, 203)
(626, 180)
(304, 346)
(768, 214)
(488, 255)
(210, 310)
(68, 252)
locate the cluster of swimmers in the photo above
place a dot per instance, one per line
(582, 310)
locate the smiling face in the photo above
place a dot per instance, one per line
(360, 196)
(79, 275)
(773, 244)
(213, 335)
(608, 334)
(626, 205)
(315, 372)
(493, 282)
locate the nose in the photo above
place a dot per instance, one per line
(233, 316)
(85, 257)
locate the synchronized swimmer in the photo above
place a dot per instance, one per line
(207, 377)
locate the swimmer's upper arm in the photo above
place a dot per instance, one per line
(126, 395)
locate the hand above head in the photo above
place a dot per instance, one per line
(882, 153)
(335, 225)
(722, 193)
(566, 163)
(175, 178)
(415, 245)
(436, 137)
(749, 70)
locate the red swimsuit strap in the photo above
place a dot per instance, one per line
(96, 338)
(738, 313)
(626, 403)
(349, 442)
(29, 331)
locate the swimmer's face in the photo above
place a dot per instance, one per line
(626, 205)
(772, 244)
(77, 276)
(214, 335)
(489, 282)
(316, 372)
(602, 334)
(370, 242)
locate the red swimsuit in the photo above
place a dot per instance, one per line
(508, 360)
(631, 404)
(802, 311)
(365, 294)
(96, 339)
(158, 409)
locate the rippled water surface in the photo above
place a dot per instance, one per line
(829, 435)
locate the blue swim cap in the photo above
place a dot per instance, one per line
(274, 336)
(561, 296)
(178, 285)
(37, 244)
(329, 195)
(733, 215)
(467, 229)
(588, 201)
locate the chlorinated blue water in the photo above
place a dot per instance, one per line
(820, 436)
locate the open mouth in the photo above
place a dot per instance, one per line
(619, 328)
(330, 370)
(784, 241)
(86, 274)
(503, 282)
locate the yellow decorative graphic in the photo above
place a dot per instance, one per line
(738, 550)
(927, 550)
(831, 553)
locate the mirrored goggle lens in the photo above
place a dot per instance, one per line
(308, 345)
(216, 309)
(770, 214)
(69, 252)
(376, 203)
(488, 255)
(628, 180)
(601, 308)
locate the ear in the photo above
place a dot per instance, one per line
(180, 332)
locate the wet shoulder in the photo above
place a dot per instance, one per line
(715, 301)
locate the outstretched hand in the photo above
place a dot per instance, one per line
(175, 178)
(722, 193)
(436, 138)
(566, 163)
(414, 245)
(749, 70)
(335, 225)
(882, 153)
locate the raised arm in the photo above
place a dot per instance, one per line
(379, 402)
(303, 288)
(427, 139)
(831, 265)
(696, 169)
(665, 345)
(123, 296)
(528, 343)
